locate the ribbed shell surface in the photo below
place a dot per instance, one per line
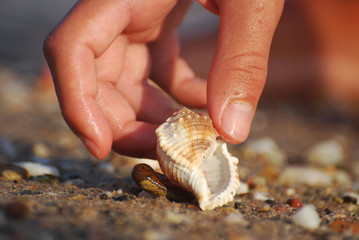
(187, 140)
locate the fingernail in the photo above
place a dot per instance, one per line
(91, 146)
(236, 120)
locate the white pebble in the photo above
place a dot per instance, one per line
(243, 188)
(266, 148)
(108, 194)
(290, 192)
(175, 218)
(38, 169)
(236, 218)
(262, 196)
(326, 153)
(305, 175)
(307, 217)
(41, 150)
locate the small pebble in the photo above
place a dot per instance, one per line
(41, 150)
(119, 191)
(175, 217)
(236, 218)
(123, 197)
(351, 197)
(305, 175)
(238, 205)
(270, 202)
(326, 153)
(338, 215)
(262, 196)
(36, 169)
(290, 192)
(243, 188)
(266, 149)
(307, 217)
(11, 175)
(12, 172)
(106, 195)
(294, 203)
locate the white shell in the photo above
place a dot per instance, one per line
(191, 157)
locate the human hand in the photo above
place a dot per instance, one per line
(100, 62)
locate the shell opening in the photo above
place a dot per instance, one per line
(221, 181)
(216, 170)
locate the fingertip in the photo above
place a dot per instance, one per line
(98, 150)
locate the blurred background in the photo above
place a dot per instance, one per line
(301, 68)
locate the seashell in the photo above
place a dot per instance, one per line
(191, 157)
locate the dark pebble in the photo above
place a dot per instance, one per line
(327, 211)
(238, 205)
(123, 197)
(103, 196)
(270, 202)
(29, 192)
(349, 199)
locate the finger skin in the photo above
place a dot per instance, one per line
(77, 51)
(173, 74)
(239, 68)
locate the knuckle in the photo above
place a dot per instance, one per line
(49, 44)
(250, 64)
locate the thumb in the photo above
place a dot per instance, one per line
(239, 67)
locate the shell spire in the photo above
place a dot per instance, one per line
(192, 157)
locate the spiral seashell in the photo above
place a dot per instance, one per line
(191, 157)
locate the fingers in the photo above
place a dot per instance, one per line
(174, 75)
(71, 50)
(130, 137)
(239, 68)
(149, 102)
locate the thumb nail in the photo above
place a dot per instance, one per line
(236, 120)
